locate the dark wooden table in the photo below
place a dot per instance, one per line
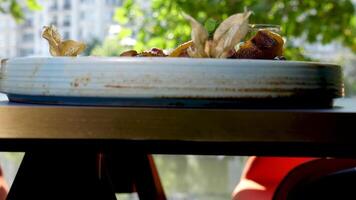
(61, 140)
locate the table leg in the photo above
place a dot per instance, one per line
(60, 175)
(134, 172)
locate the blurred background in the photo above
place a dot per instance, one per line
(323, 31)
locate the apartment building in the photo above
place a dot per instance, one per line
(83, 20)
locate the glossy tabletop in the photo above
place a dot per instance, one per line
(322, 132)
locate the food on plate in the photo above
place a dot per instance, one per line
(58, 47)
(266, 44)
(129, 53)
(181, 50)
(229, 33)
(226, 42)
(154, 52)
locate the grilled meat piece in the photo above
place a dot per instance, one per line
(129, 53)
(154, 52)
(264, 45)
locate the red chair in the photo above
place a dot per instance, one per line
(262, 175)
(4, 189)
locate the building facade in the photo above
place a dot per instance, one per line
(8, 36)
(83, 20)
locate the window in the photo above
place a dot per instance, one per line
(82, 15)
(28, 23)
(66, 21)
(27, 37)
(54, 5)
(26, 52)
(112, 2)
(67, 5)
(54, 21)
(66, 35)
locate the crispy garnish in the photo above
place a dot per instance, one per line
(229, 34)
(199, 37)
(54, 39)
(181, 49)
(57, 47)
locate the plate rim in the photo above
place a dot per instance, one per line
(90, 59)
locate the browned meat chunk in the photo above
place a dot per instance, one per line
(154, 52)
(264, 45)
(129, 53)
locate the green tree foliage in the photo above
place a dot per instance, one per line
(15, 7)
(110, 47)
(163, 26)
(198, 177)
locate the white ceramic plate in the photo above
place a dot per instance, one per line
(166, 81)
